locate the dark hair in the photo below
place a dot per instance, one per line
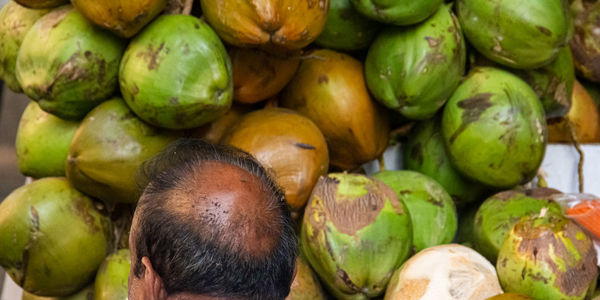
(190, 254)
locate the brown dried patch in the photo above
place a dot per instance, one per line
(54, 18)
(323, 79)
(535, 245)
(412, 289)
(305, 146)
(350, 214)
(544, 30)
(541, 193)
(81, 208)
(151, 55)
(472, 108)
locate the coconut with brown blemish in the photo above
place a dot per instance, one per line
(53, 238)
(452, 272)
(355, 234)
(15, 22)
(548, 257)
(67, 64)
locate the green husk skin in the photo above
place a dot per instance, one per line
(430, 207)
(15, 22)
(355, 234)
(397, 12)
(107, 149)
(43, 142)
(499, 213)
(414, 70)
(424, 152)
(53, 239)
(67, 64)
(585, 43)
(112, 277)
(176, 73)
(552, 83)
(346, 29)
(85, 294)
(548, 257)
(518, 34)
(494, 129)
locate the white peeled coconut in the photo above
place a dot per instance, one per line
(446, 272)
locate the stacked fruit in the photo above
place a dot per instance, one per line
(313, 89)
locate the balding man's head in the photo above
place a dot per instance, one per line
(212, 222)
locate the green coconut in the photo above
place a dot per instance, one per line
(355, 234)
(414, 70)
(494, 129)
(15, 22)
(585, 42)
(85, 294)
(43, 142)
(397, 12)
(430, 207)
(424, 152)
(67, 64)
(346, 29)
(518, 34)
(176, 73)
(305, 286)
(499, 213)
(37, 4)
(107, 149)
(112, 277)
(548, 257)
(53, 238)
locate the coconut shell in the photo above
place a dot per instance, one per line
(107, 150)
(53, 238)
(548, 257)
(176, 73)
(430, 207)
(494, 129)
(43, 142)
(67, 64)
(38, 4)
(272, 25)
(355, 234)
(444, 272)
(305, 286)
(123, 17)
(286, 143)
(15, 22)
(258, 75)
(499, 213)
(112, 277)
(583, 116)
(585, 42)
(329, 88)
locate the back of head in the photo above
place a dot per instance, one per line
(214, 223)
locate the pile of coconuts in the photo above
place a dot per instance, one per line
(472, 90)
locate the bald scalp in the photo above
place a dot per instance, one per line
(213, 222)
(229, 203)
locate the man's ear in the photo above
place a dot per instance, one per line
(153, 284)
